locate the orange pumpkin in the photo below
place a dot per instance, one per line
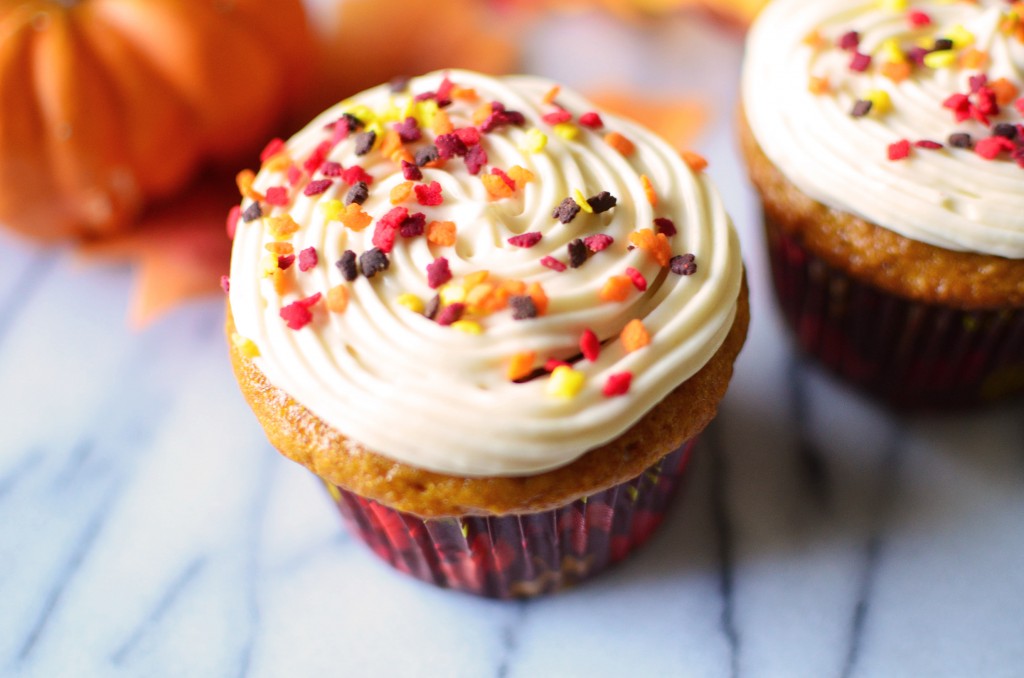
(108, 104)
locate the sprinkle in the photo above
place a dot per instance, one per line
(893, 5)
(467, 326)
(638, 279)
(552, 364)
(499, 118)
(940, 59)
(441, 233)
(860, 62)
(410, 171)
(899, 150)
(450, 145)
(590, 345)
(225, 284)
(273, 147)
(231, 224)
(552, 263)
(564, 382)
(695, 161)
(317, 187)
(482, 113)
(566, 130)
(245, 346)
(540, 298)
(411, 302)
(354, 218)
(357, 194)
(520, 365)
(849, 41)
(973, 59)
(617, 384)
(408, 130)
(279, 248)
(1006, 130)
(683, 264)
(927, 144)
(880, 101)
(666, 226)
(427, 154)
(297, 314)
(365, 142)
(655, 244)
(960, 36)
(961, 140)
(438, 273)
(534, 141)
(818, 85)
(861, 108)
(557, 116)
(497, 187)
(337, 299)
(652, 196)
(401, 192)
(373, 261)
(551, 94)
(566, 211)
(616, 288)
(577, 253)
(285, 261)
(432, 307)
(450, 314)
(398, 84)
(520, 175)
(579, 199)
(897, 71)
(918, 19)
(282, 227)
(619, 143)
(592, 120)
(307, 259)
(277, 195)
(634, 335)
(347, 265)
(475, 159)
(429, 194)
(523, 307)
(355, 174)
(470, 136)
(990, 147)
(413, 225)
(598, 242)
(244, 181)
(602, 202)
(1004, 90)
(525, 239)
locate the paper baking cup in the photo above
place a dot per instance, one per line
(520, 555)
(912, 355)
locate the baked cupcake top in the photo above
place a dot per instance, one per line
(905, 113)
(479, 276)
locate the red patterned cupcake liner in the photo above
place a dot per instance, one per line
(520, 555)
(910, 354)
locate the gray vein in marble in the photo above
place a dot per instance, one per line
(167, 600)
(80, 453)
(29, 461)
(22, 291)
(812, 467)
(251, 578)
(725, 542)
(880, 508)
(510, 638)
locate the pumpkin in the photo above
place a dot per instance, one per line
(106, 105)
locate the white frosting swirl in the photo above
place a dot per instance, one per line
(950, 197)
(440, 399)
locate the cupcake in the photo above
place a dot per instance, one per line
(492, 320)
(885, 140)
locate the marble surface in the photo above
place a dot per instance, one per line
(148, 529)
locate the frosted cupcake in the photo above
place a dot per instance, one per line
(492, 319)
(885, 140)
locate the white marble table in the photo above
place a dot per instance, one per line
(148, 529)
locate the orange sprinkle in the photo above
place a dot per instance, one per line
(282, 227)
(896, 71)
(496, 187)
(656, 245)
(442, 124)
(652, 197)
(337, 299)
(540, 299)
(551, 94)
(464, 93)
(280, 248)
(814, 39)
(401, 192)
(973, 58)
(278, 162)
(1005, 91)
(281, 281)
(244, 181)
(478, 298)
(441, 233)
(616, 288)
(482, 113)
(619, 143)
(695, 161)
(521, 365)
(520, 175)
(634, 335)
(391, 145)
(355, 218)
(818, 85)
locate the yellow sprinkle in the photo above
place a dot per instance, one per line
(567, 130)
(467, 326)
(392, 113)
(652, 195)
(425, 113)
(409, 110)
(268, 265)
(245, 346)
(565, 382)
(364, 113)
(941, 59)
(453, 294)
(892, 52)
(534, 142)
(880, 101)
(960, 36)
(577, 195)
(411, 302)
(333, 209)
(894, 5)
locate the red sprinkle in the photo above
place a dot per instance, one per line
(297, 314)
(450, 314)
(592, 120)
(590, 345)
(598, 242)
(277, 195)
(232, 223)
(639, 281)
(525, 239)
(429, 194)
(552, 263)
(285, 261)
(617, 384)
(917, 18)
(273, 147)
(317, 157)
(1019, 105)
(928, 143)
(387, 227)
(860, 62)
(552, 363)
(225, 284)
(899, 150)
(317, 187)
(557, 117)
(504, 177)
(307, 259)
(355, 174)
(849, 40)
(438, 273)
(469, 135)
(410, 171)
(293, 175)
(990, 147)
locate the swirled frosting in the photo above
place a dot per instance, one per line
(903, 113)
(438, 352)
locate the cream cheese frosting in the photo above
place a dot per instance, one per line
(857, 103)
(437, 371)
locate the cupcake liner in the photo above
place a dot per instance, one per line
(913, 355)
(520, 555)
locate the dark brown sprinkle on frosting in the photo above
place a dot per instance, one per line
(523, 307)
(252, 212)
(683, 264)
(373, 261)
(566, 211)
(602, 202)
(365, 142)
(961, 140)
(577, 253)
(358, 193)
(347, 265)
(861, 108)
